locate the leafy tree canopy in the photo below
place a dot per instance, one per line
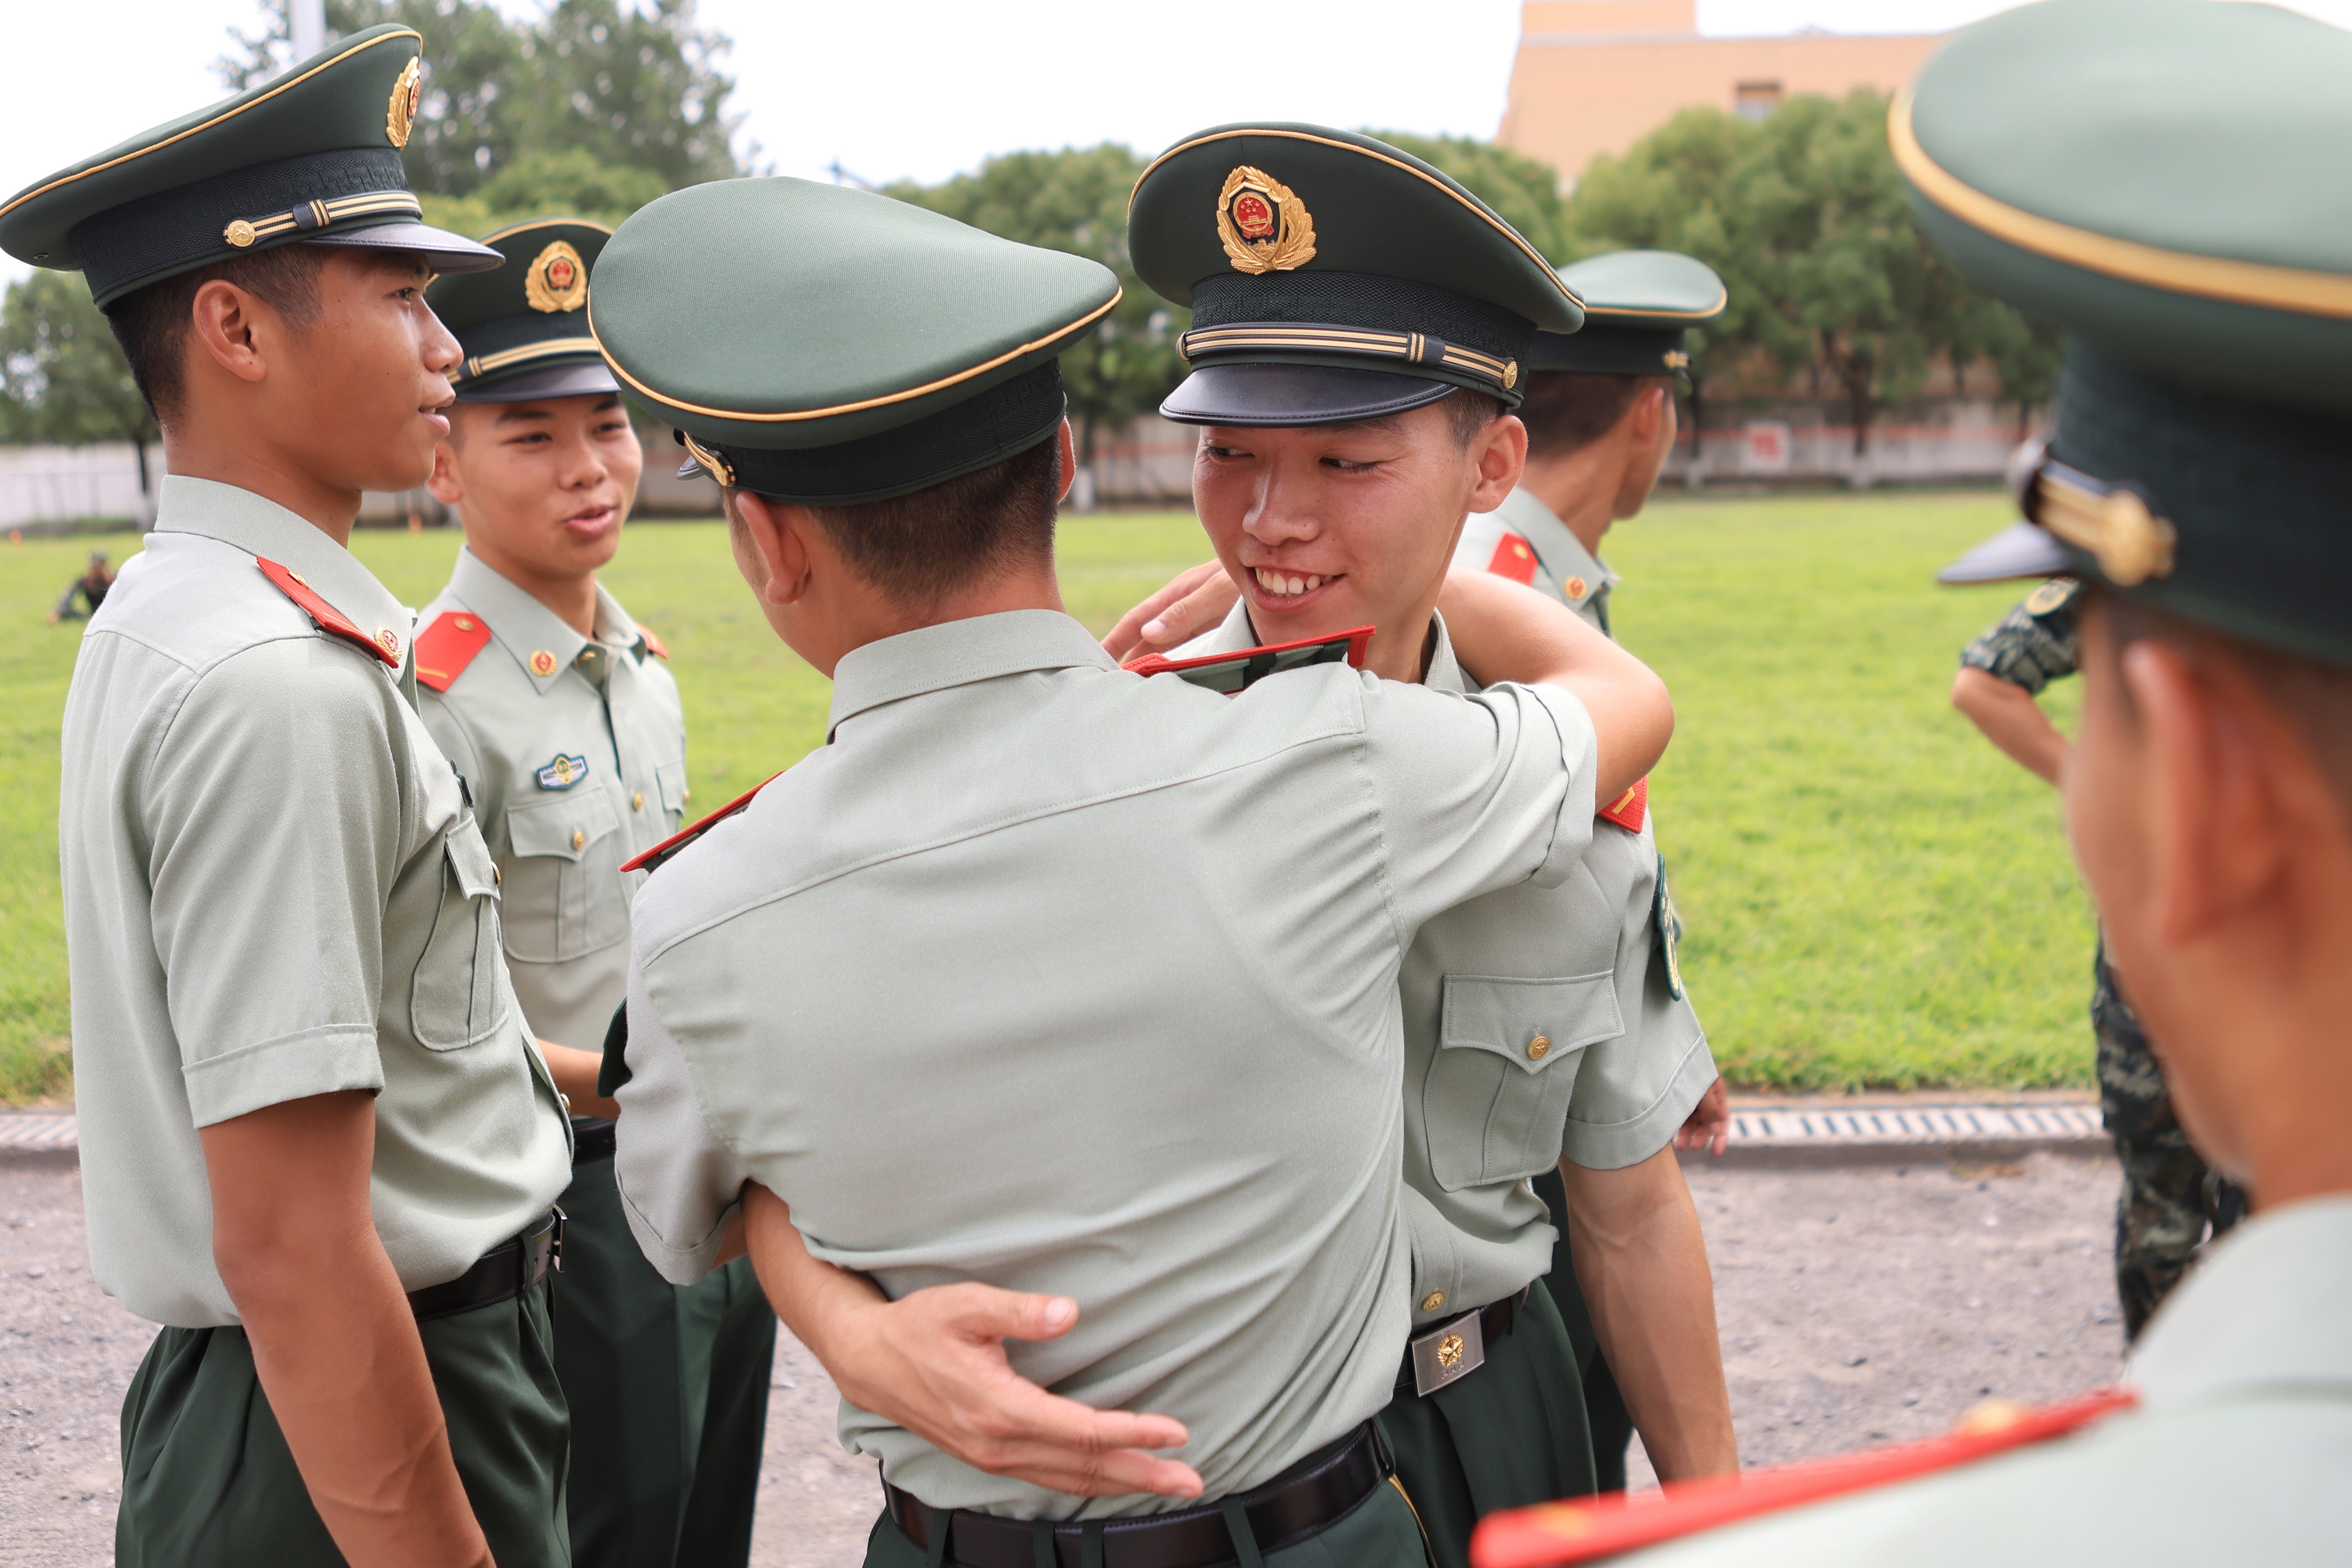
(62, 378)
(1523, 191)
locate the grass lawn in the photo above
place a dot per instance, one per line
(1872, 896)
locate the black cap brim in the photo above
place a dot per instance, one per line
(583, 378)
(438, 248)
(1272, 395)
(2020, 550)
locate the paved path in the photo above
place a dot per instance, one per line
(1859, 1303)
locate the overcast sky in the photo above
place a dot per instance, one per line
(928, 88)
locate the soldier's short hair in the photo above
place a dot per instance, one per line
(152, 323)
(1567, 411)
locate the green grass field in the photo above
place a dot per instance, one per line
(1872, 896)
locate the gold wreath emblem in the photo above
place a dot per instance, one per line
(557, 280)
(400, 114)
(1265, 227)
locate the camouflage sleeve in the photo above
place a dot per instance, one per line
(2034, 644)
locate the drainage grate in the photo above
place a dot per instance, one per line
(38, 1130)
(1815, 1126)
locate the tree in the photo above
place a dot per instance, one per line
(1075, 201)
(63, 377)
(570, 184)
(1523, 191)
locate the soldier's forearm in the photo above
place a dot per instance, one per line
(2009, 717)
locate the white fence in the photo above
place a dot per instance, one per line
(73, 483)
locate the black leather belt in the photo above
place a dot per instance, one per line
(1451, 1351)
(592, 1138)
(499, 1275)
(1317, 1494)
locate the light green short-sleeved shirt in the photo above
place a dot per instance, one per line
(1047, 975)
(2240, 1449)
(1623, 1059)
(273, 889)
(1525, 541)
(558, 829)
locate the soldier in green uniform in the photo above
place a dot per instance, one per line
(2171, 1200)
(2163, 180)
(557, 710)
(318, 1145)
(1040, 974)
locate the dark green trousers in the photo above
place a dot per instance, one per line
(668, 1390)
(1510, 1434)
(208, 1481)
(1380, 1532)
(1604, 1407)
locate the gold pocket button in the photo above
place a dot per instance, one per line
(1537, 1048)
(578, 838)
(1432, 1302)
(637, 801)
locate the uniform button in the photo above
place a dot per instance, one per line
(637, 801)
(1432, 1302)
(496, 880)
(1537, 1048)
(580, 838)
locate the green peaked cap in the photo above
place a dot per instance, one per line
(1304, 248)
(524, 327)
(2165, 181)
(826, 345)
(310, 156)
(1637, 305)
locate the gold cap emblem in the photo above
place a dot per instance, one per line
(400, 114)
(1265, 227)
(557, 280)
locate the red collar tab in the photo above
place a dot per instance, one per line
(1554, 1533)
(445, 647)
(1514, 558)
(653, 858)
(1629, 810)
(654, 645)
(1235, 673)
(384, 644)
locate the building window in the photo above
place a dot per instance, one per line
(1755, 99)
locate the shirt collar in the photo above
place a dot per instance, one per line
(1234, 633)
(263, 528)
(526, 629)
(957, 653)
(2263, 1308)
(1562, 553)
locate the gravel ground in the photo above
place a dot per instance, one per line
(1859, 1303)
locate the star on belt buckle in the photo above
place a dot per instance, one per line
(1448, 1353)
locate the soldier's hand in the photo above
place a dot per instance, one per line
(1197, 598)
(1709, 1126)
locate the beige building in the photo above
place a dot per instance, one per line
(1596, 76)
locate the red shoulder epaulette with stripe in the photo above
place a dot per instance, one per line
(652, 858)
(1554, 1533)
(1629, 810)
(327, 618)
(1515, 558)
(652, 645)
(445, 647)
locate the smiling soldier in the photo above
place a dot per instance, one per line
(556, 709)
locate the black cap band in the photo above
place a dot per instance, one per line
(1599, 349)
(1010, 417)
(1346, 319)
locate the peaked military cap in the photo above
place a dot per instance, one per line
(524, 327)
(312, 155)
(2164, 180)
(823, 345)
(1637, 305)
(1334, 277)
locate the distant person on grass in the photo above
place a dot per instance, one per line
(2171, 1197)
(89, 588)
(558, 712)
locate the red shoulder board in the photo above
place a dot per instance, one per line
(1563, 1532)
(384, 646)
(1233, 672)
(1515, 558)
(445, 648)
(1629, 810)
(653, 858)
(654, 645)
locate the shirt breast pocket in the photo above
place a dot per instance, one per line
(1496, 1101)
(564, 898)
(670, 780)
(455, 998)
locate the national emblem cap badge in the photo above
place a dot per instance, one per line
(400, 114)
(562, 772)
(557, 280)
(1264, 225)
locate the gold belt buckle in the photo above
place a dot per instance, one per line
(1448, 1353)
